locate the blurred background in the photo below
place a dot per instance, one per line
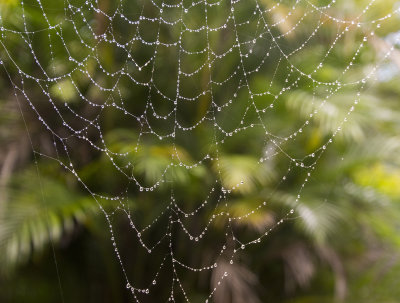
(342, 243)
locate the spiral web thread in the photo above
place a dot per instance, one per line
(196, 54)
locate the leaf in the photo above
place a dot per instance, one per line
(243, 172)
(38, 211)
(64, 90)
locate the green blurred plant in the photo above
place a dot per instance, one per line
(345, 232)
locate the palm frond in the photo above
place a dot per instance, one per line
(243, 172)
(38, 211)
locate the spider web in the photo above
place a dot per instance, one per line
(176, 70)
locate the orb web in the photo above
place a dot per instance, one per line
(192, 80)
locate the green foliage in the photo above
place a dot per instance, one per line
(41, 209)
(345, 228)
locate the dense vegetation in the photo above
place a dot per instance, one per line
(344, 238)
